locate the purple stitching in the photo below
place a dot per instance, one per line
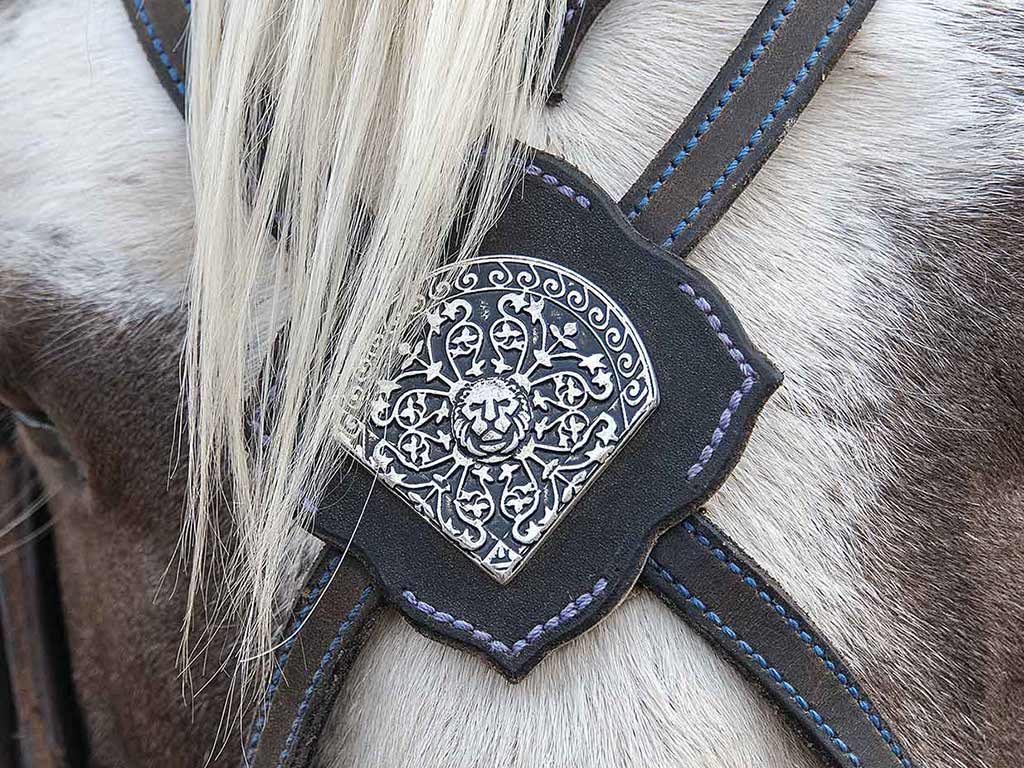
(725, 420)
(571, 611)
(552, 181)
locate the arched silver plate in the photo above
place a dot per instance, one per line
(517, 384)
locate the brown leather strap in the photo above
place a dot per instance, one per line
(740, 119)
(579, 16)
(719, 591)
(162, 27)
(48, 728)
(329, 624)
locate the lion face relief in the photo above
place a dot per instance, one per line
(513, 387)
(491, 418)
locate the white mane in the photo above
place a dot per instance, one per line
(357, 131)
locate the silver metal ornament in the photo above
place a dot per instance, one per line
(519, 381)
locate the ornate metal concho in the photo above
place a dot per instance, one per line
(521, 420)
(520, 382)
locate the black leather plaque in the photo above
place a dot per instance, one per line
(491, 432)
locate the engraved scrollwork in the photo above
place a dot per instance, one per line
(518, 383)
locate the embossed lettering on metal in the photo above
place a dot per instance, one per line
(517, 384)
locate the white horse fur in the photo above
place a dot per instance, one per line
(922, 116)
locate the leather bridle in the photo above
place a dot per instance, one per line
(704, 577)
(37, 702)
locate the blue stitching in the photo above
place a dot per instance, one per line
(158, 46)
(571, 611)
(314, 682)
(725, 420)
(268, 697)
(819, 649)
(748, 650)
(758, 134)
(709, 119)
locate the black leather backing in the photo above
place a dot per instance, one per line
(741, 118)
(713, 586)
(714, 384)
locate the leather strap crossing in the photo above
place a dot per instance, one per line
(738, 122)
(334, 612)
(705, 578)
(740, 119)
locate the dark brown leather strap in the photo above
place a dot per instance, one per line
(579, 16)
(49, 733)
(719, 591)
(740, 119)
(162, 27)
(331, 619)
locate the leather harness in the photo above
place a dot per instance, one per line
(37, 701)
(621, 258)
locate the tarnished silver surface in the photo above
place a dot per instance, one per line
(518, 383)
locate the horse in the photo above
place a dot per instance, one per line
(877, 259)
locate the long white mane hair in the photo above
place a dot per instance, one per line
(334, 146)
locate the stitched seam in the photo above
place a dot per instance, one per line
(765, 124)
(314, 682)
(573, 609)
(158, 46)
(552, 181)
(819, 649)
(723, 101)
(725, 420)
(275, 681)
(776, 677)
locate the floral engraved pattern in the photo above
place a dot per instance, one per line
(518, 382)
